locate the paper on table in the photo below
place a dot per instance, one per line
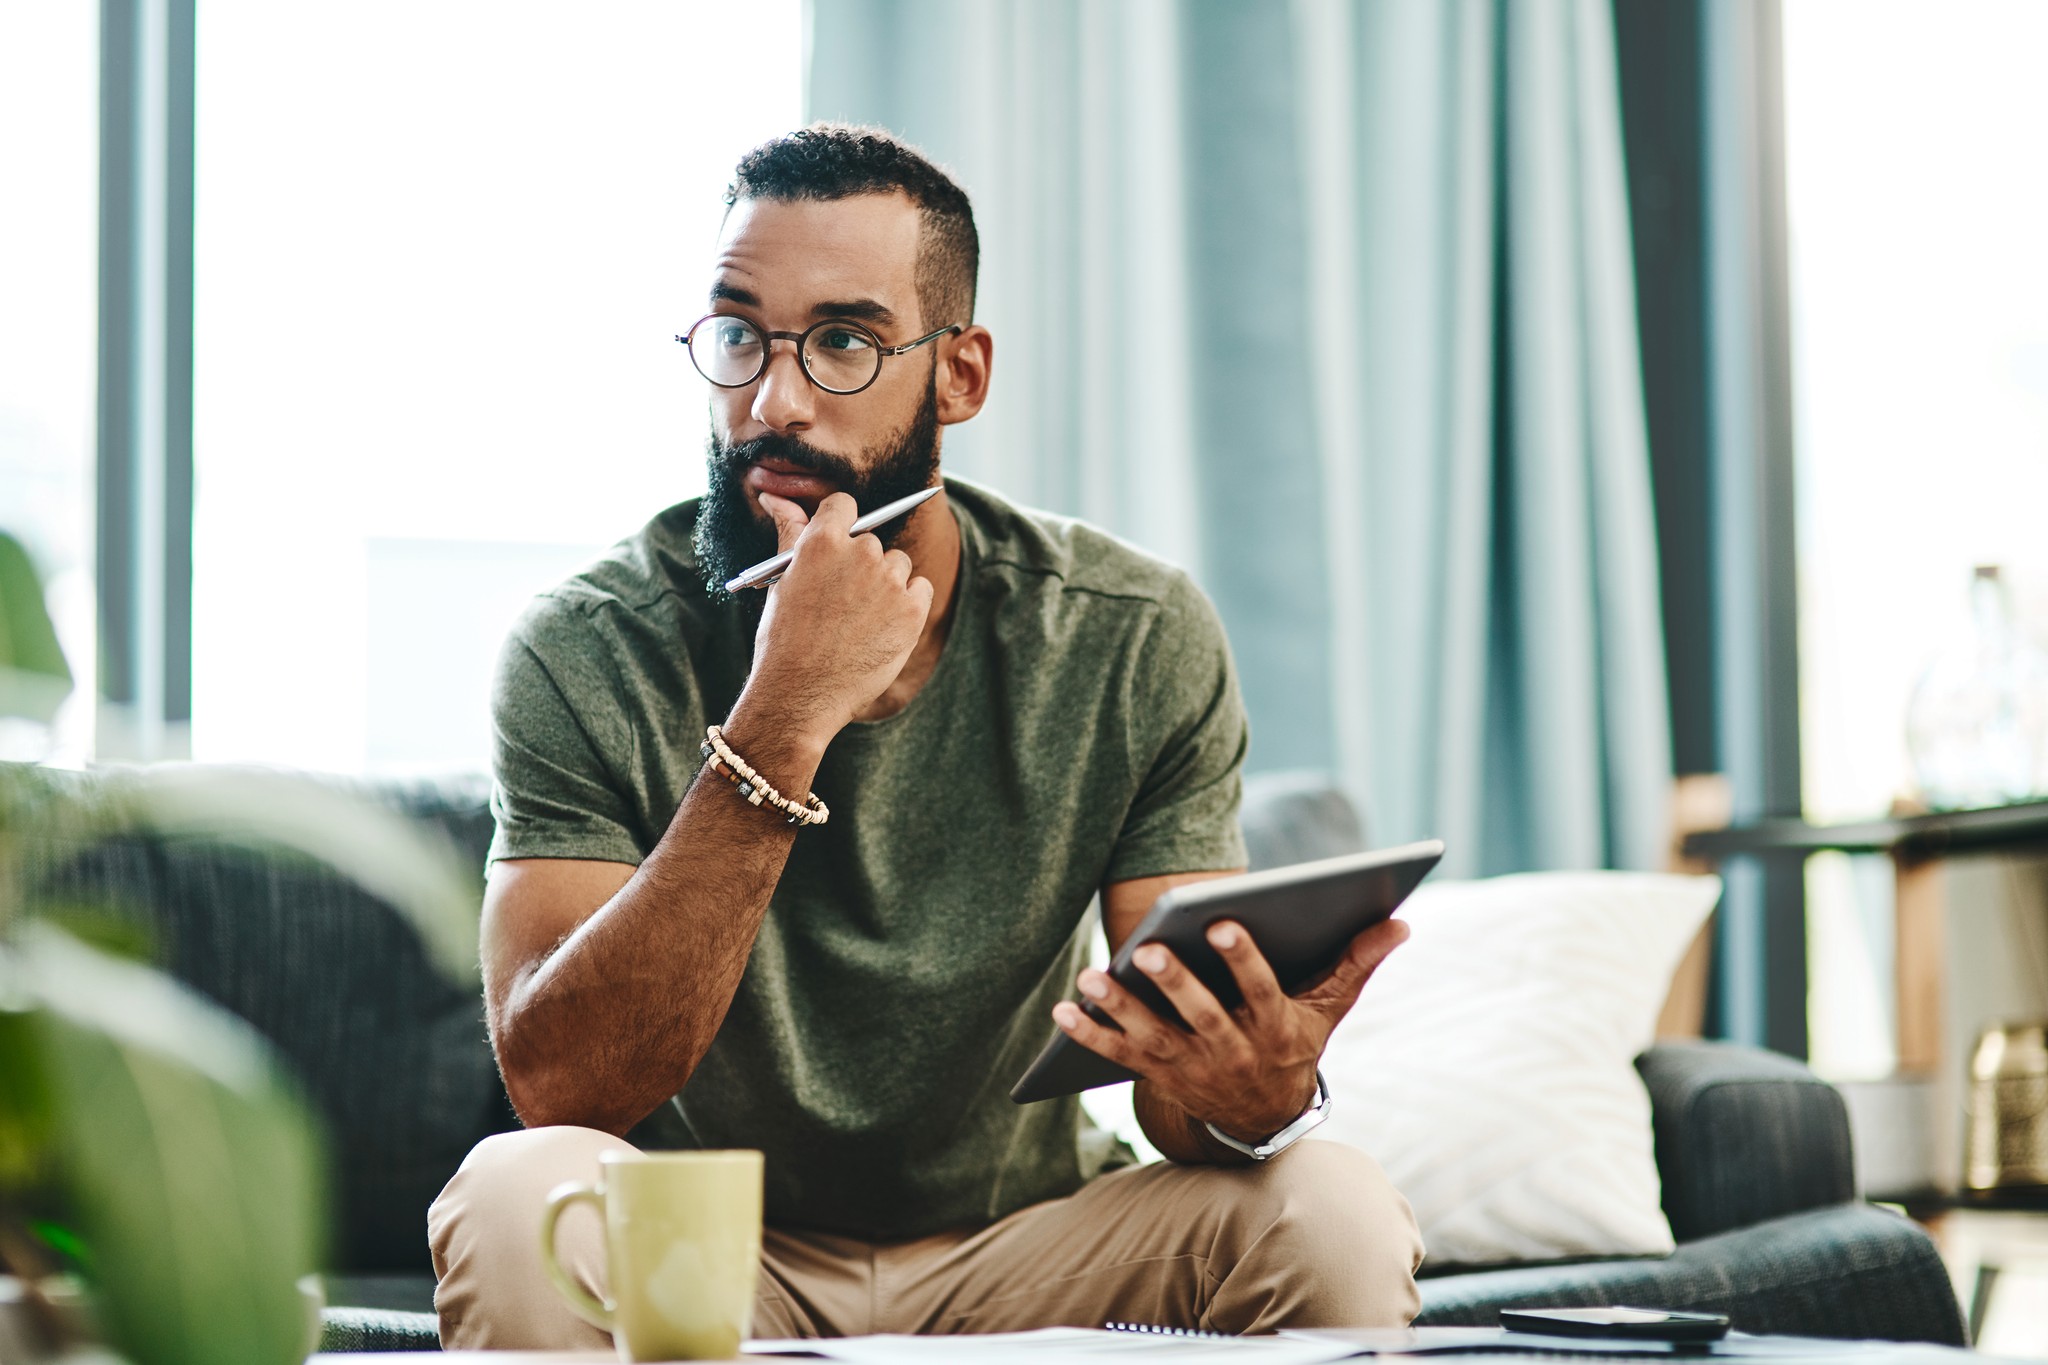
(1431, 1341)
(1065, 1343)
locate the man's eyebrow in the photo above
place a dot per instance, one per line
(860, 310)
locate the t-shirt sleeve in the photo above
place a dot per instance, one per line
(554, 794)
(1190, 728)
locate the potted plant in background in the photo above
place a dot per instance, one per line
(150, 1143)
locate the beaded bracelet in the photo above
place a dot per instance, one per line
(734, 769)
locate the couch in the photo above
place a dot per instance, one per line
(1753, 1150)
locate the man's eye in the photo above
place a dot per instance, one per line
(733, 337)
(842, 339)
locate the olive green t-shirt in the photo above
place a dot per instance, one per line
(1082, 727)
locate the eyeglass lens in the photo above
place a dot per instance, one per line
(732, 352)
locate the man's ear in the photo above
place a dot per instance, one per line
(963, 374)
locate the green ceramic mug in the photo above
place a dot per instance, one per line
(682, 1236)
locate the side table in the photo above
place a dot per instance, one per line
(1994, 1237)
(1962, 882)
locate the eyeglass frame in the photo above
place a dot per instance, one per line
(768, 340)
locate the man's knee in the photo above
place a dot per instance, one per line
(512, 1173)
(484, 1231)
(1326, 1241)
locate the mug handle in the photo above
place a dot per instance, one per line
(587, 1308)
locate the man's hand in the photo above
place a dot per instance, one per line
(840, 623)
(1250, 1070)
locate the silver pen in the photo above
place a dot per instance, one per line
(768, 570)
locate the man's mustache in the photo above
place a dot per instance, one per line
(787, 450)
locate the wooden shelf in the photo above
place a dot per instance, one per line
(1913, 838)
(1915, 844)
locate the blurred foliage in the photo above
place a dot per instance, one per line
(34, 679)
(127, 936)
(25, 1121)
(186, 1168)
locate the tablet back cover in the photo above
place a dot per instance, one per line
(1301, 917)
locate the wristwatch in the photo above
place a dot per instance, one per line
(1287, 1136)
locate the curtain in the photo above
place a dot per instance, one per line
(1332, 304)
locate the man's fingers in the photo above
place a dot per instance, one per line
(1107, 1042)
(1255, 979)
(1339, 991)
(899, 567)
(1196, 1002)
(788, 517)
(1146, 1033)
(837, 513)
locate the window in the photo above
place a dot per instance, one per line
(441, 253)
(1919, 282)
(49, 82)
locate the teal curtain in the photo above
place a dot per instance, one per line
(1332, 304)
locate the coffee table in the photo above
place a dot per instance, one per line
(1811, 1351)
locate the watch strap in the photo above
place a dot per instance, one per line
(1286, 1137)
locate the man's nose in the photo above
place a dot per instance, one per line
(783, 396)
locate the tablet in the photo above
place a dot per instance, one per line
(1302, 918)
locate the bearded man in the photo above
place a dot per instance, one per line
(1006, 713)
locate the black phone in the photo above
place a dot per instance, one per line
(1634, 1324)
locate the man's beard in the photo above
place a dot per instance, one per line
(732, 535)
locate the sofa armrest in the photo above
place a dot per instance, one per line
(1742, 1136)
(1853, 1270)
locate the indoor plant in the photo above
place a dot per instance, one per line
(149, 1140)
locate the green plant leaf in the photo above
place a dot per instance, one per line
(129, 936)
(25, 1117)
(34, 679)
(189, 1167)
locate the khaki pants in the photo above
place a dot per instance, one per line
(1314, 1238)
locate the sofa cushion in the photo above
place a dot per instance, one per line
(1296, 816)
(1489, 1064)
(355, 1330)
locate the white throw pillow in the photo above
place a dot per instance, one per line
(1489, 1065)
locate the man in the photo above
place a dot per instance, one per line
(1004, 713)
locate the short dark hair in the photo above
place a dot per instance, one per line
(839, 160)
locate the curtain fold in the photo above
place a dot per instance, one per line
(1332, 304)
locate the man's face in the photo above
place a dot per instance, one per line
(784, 266)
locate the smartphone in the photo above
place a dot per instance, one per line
(1636, 1324)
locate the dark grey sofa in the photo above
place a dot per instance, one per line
(1753, 1150)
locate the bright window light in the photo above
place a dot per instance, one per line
(49, 178)
(1919, 214)
(442, 252)
(1919, 291)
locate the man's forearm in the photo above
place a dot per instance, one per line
(615, 1019)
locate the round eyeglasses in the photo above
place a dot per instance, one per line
(839, 357)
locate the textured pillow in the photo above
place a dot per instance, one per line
(1489, 1065)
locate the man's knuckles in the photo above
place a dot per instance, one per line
(836, 507)
(1155, 1045)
